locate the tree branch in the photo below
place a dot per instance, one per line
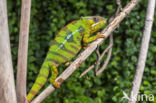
(23, 51)
(84, 55)
(98, 59)
(7, 86)
(143, 51)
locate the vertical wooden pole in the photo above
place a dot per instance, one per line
(143, 51)
(23, 51)
(7, 86)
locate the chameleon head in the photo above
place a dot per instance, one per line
(96, 22)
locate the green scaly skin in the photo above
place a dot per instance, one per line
(65, 46)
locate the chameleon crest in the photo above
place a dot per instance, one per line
(65, 46)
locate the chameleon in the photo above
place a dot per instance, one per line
(67, 43)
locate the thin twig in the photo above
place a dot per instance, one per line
(143, 51)
(119, 5)
(106, 50)
(87, 70)
(84, 55)
(23, 51)
(108, 57)
(98, 59)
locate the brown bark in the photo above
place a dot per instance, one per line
(7, 86)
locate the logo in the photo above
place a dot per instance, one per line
(140, 97)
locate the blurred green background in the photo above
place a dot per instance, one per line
(48, 17)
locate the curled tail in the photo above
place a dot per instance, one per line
(40, 81)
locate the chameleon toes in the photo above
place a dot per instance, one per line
(55, 84)
(99, 35)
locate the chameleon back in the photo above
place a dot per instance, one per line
(67, 42)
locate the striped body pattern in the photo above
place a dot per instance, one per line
(67, 43)
(65, 46)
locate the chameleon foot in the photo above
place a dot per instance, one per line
(67, 63)
(55, 84)
(99, 35)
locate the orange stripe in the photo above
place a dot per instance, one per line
(33, 92)
(39, 84)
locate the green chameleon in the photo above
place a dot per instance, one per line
(65, 46)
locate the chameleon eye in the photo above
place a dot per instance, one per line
(96, 19)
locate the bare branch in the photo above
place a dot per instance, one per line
(87, 70)
(109, 49)
(84, 55)
(101, 56)
(119, 5)
(143, 51)
(98, 59)
(23, 51)
(7, 86)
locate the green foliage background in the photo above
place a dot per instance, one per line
(48, 17)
